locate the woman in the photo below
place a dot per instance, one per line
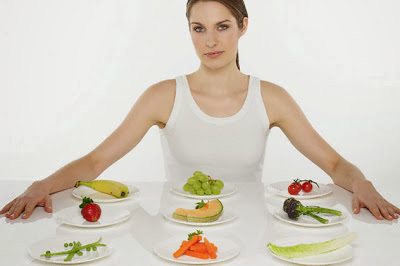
(216, 120)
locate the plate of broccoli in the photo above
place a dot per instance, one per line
(295, 212)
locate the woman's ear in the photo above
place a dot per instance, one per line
(245, 24)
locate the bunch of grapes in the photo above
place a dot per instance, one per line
(202, 184)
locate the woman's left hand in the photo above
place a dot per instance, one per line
(366, 196)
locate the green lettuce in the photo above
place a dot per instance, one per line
(304, 250)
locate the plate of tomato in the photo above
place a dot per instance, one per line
(299, 189)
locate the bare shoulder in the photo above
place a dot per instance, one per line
(158, 100)
(277, 101)
(162, 89)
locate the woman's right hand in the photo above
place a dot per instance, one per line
(36, 195)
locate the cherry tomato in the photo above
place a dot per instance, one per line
(298, 185)
(293, 189)
(307, 186)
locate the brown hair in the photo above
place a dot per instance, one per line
(236, 7)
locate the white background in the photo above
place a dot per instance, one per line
(71, 70)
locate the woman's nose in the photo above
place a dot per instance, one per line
(211, 40)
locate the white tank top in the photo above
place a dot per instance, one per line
(228, 148)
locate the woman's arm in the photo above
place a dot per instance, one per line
(284, 113)
(152, 108)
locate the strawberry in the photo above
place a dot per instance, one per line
(91, 212)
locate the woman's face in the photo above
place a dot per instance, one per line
(215, 33)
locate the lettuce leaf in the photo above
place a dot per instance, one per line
(304, 250)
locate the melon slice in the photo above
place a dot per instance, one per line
(209, 213)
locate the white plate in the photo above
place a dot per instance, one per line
(56, 244)
(281, 189)
(336, 256)
(227, 249)
(307, 221)
(227, 190)
(96, 196)
(109, 215)
(227, 215)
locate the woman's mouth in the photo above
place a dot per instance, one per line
(214, 54)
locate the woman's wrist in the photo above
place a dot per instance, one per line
(361, 184)
(43, 185)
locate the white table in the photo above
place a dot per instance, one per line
(377, 243)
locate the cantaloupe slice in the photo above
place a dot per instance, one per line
(209, 213)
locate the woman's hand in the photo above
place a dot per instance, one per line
(365, 195)
(36, 195)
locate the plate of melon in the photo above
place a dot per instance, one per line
(203, 214)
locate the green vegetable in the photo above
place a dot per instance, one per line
(200, 204)
(198, 232)
(304, 250)
(76, 249)
(85, 201)
(294, 209)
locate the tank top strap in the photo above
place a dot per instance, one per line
(179, 91)
(259, 103)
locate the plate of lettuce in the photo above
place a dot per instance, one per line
(313, 250)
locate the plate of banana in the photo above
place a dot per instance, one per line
(104, 191)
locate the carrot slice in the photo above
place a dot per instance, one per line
(199, 247)
(186, 246)
(199, 255)
(210, 249)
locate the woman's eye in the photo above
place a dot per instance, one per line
(223, 27)
(198, 29)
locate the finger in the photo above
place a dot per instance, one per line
(384, 211)
(356, 205)
(48, 204)
(395, 210)
(18, 210)
(7, 207)
(10, 213)
(375, 211)
(28, 210)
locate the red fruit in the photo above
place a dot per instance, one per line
(293, 189)
(91, 212)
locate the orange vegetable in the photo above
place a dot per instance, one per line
(186, 246)
(199, 255)
(210, 249)
(199, 247)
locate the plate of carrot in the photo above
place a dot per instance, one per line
(197, 249)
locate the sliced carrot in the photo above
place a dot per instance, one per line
(186, 246)
(199, 255)
(199, 247)
(210, 249)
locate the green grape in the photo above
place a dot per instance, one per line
(200, 192)
(192, 190)
(186, 187)
(88, 249)
(197, 173)
(203, 178)
(208, 191)
(66, 245)
(205, 185)
(191, 180)
(219, 183)
(197, 185)
(216, 190)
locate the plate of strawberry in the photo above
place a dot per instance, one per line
(91, 214)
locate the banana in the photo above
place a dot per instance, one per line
(110, 187)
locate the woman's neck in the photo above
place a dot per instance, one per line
(221, 80)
